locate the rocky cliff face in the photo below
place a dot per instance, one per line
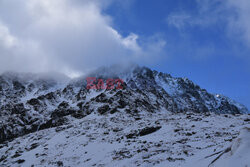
(30, 102)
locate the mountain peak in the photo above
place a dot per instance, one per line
(38, 99)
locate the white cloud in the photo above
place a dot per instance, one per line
(6, 40)
(208, 13)
(62, 35)
(179, 19)
(182, 20)
(234, 14)
(15, 54)
(239, 24)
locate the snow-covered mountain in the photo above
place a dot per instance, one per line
(44, 116)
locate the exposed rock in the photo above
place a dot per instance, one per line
(103, 109)
(148, 130)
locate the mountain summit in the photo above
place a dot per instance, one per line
(31, 102)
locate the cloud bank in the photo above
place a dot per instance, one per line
(68, 36)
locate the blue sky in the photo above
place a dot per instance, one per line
(207, 41)
(202, 47)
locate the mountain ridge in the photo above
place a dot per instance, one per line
(31, 102)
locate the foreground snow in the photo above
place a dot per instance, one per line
(120, 139)
(239, 152)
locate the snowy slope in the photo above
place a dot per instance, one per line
(121, 140)
(238, 153)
